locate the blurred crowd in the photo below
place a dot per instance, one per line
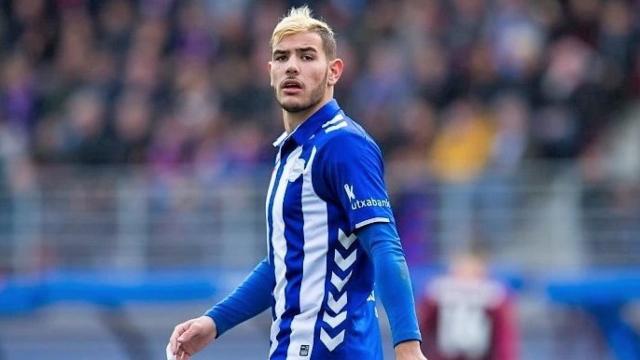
(455, 89)
(459, 85)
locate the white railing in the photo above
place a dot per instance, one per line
(133, 218)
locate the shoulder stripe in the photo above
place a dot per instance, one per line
(335, 119)
(337, 126)
(280, 139)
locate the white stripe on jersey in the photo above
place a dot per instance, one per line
(337, 126)
(280, 139)
(314, 268)
(335, 119)
(371, 221)
(280, 246)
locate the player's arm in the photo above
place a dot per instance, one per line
(351, 171)
(251, 297)
(393, 285)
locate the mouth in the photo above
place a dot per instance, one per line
(291, 86)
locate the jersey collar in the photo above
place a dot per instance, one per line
(309, 127)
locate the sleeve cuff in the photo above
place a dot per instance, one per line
(221, 327)
(371, 221)
(409, 336)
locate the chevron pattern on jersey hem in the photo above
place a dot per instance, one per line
(339, 282)
(337, 298)
(331, 342)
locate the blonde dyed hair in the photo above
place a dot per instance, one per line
(300, 20)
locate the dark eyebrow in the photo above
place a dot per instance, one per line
(306, 49)
(300, 50)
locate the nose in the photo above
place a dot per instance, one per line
(292, 67)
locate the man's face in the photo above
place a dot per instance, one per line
(299, 72)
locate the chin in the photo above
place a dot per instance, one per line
(294, 106)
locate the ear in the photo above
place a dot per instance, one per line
(269, 66)
(335, 70)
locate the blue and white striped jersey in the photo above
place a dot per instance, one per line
(327, 183)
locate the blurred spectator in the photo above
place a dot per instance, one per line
(116, 22)
(610, 211)
(517, 41)
(582, 16)
(462, 146)
(616, 34)
(73, 48)
(634, 80)
(465, 315)
(17, 179)
(572, 104)
(132, 125)
(169, 146)
(466, 20)
(460, 153)
(414, 194)
(193, 36)
(18, 92)
(16, 174)
(499, 195)
(433, 78)
(510, 115)
(595, 197)
(85, 133)
(381, 92)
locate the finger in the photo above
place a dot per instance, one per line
(177, 332)
(183, 355)
(169, 353)
(187, 335)
(173, 341)
(187, 342)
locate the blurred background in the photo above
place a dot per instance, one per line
(135, 151)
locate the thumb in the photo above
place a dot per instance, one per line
(187, 335)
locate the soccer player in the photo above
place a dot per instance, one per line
(330, 229)
(467, 315)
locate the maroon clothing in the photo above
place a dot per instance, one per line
(468, 320)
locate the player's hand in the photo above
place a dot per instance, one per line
(192, 336)
(409, 350)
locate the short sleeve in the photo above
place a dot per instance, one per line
(352, 177)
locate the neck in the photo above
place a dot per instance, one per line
(293, 120)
